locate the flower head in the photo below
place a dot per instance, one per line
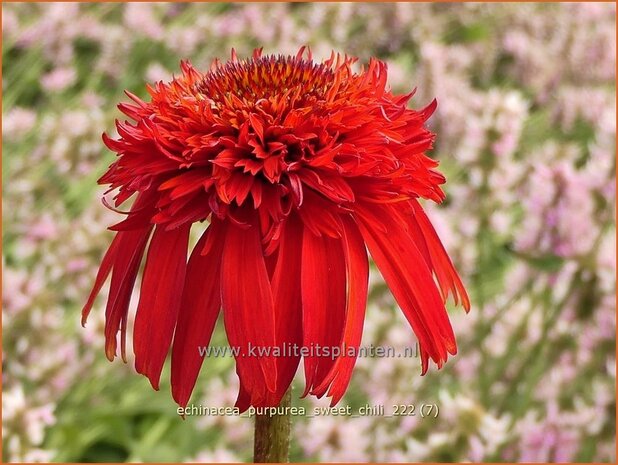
(298, 167)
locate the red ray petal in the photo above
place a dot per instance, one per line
(140, 215)
(131, 248)
(443, 266)
(410, 280)
(323, 288)
(142, 200)
(243, 401)
(102, 274)
(161, 291)
(288, 305)
(201, 301)
(134, 221)
(357, 272)
(248, 309)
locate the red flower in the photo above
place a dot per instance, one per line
(297, 166)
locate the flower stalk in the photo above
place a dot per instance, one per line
(271, 442)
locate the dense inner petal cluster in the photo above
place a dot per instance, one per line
(265, 77)
(271, 133)
(299, 168)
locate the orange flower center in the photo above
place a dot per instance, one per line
(268, 77)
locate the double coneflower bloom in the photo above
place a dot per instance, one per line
(298, 167)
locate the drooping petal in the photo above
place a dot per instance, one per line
(104, 271)
(140, 215)
(323, 286)
(201, 302)
(248, 310)
(409, 278)
(288, 306)
(141, 202)
(161, 291)
(441, 263)
(131, 246)
(243, 401)
(357, 273)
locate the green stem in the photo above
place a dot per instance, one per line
(272, 434)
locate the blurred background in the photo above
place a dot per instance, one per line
(526, 137)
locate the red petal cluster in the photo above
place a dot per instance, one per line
(298, 167)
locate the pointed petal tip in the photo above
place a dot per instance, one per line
(181, 399)
(243, 402)
(465, 301)
(306, 392)
(154, 382)
(452, 349)
(336, 397)
(153, 378)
